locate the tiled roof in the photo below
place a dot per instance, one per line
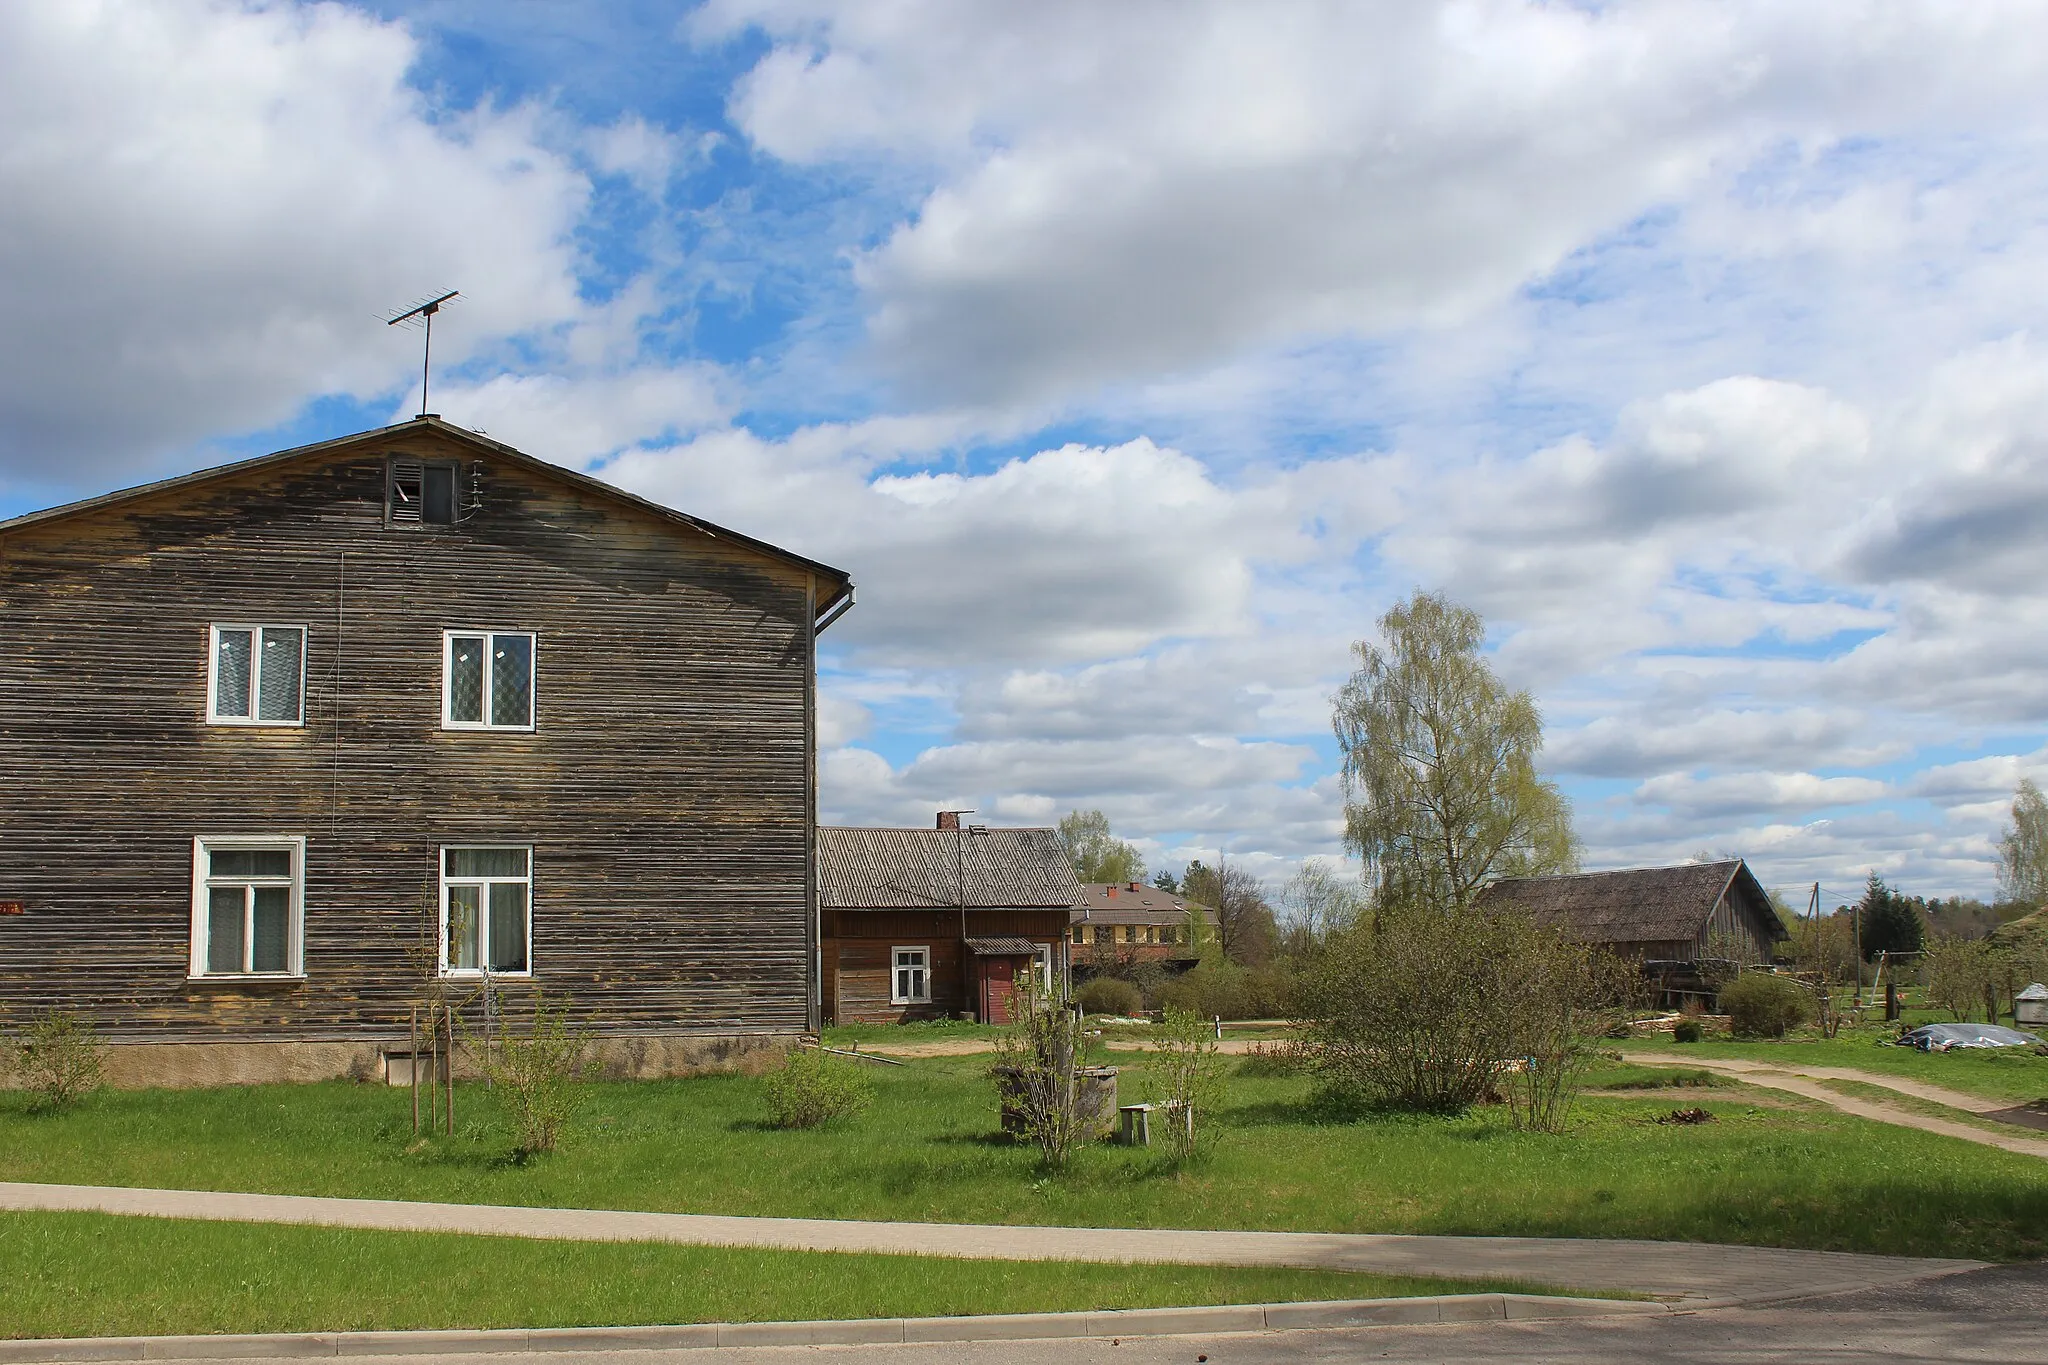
(921, 869)
(1145, 904)
(1642, 904)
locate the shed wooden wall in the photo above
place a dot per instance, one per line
(666, 789)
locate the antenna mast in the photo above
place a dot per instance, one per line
(424, 312)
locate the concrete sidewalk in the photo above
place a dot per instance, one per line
(1697, 1272)
(1806, 1081)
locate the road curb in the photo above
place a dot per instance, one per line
(1134, 1322)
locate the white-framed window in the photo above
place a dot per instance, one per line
(248, 906)
(1045, 966)
(256, 675)
(487, 679)
(487, 910)
(910, 976)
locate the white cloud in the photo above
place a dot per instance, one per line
(205, 207)
(1159, 186)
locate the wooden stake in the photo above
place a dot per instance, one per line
(412, 1035)
(450, 1016)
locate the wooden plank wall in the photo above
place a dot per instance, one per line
(860, 942)
(665, 789)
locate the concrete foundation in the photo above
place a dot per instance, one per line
(646, 1057)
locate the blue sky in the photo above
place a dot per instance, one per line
(1136, 359)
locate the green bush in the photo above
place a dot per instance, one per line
(1687, 1031)
(1110, 995)
(57, 1058)
(1219, 988)
(1760, 1005)
(815, 1087)
(536, 1066)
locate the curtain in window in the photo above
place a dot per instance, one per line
(232, 673)
(279, 674)
(508, 927)
(511, 680)
(466, 679)
(271, 922)
(224, 907)
(465, 920)
(486, 862)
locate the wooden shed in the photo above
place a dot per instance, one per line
(291, 743)
(939, 923)
(1667, 918)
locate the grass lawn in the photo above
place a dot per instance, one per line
(2015, 1074)
(85, 1274)
(1769, 1171)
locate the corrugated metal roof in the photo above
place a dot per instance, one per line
(1002, 947)
(923, 869)
(1641, 904)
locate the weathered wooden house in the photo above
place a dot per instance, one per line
(1670, 919)
(290, 743)
(1122, 924)
(940, 923)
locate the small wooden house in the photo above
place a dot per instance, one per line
(1668, 918)
(292, 744)
(1127, 923)
(940, 923)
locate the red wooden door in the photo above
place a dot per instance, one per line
(998, 984)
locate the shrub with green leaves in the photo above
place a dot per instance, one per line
(57, 1059)
(1687, 1031)
(1190, 1077)
(814, 1087)
(1110, 995)
(1760, 1005)
(536, 1066)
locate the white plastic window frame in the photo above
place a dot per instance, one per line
(202, 880)
(256, 629)
(490, 636)
(483, 942)
(923, 966)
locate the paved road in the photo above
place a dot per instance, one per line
(1806, 1081)
(1676, 1269)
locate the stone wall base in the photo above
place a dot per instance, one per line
(642, 1057)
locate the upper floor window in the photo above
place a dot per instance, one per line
(420, 493)
(487, 680)
(248, 906)
(257, 676)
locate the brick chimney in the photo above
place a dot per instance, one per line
(949, 819)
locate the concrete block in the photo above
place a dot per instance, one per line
(283, 1346)
(680, 1337)
(1351, 1313)
(1001, 1327)
(1160, 1322)
(1529, 1306)
(852, 1332)
(77, 1348)
(1471, 1308)
(429, 1343)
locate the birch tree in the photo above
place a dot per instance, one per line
(1442, 792)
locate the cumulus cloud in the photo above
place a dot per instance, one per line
(205, 207)
(1156, 187)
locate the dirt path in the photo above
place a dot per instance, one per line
(1806, 1081)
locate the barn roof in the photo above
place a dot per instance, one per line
(1639, 904)
(838, 586)
(923, 869)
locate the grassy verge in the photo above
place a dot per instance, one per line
(2014, 1074)
(1765, 1173)
(83, 1274)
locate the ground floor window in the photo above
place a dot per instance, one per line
(248, 899)
(486, 910)
(1045, 966)
(910, 979)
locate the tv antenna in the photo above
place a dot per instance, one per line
(423, 313)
